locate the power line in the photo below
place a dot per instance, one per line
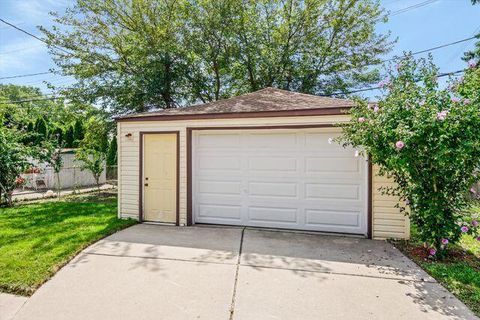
(435, 48)
(33, 36)
(31, 100)
(440, 75)
(367, 65)
(26, 75)
(20, 49)
(412, 7)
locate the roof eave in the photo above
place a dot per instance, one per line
(232, 115)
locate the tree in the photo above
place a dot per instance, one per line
(112, 152)
(475, 53)
(58, 136)
(13, 161)
(93, 148)
(54, 158)
(78, 133)
(132, 56)
(69, 138)
(428, 140)
(41, 130)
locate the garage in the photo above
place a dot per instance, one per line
(263, 159)
(283, 178)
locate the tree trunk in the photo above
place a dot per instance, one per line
(97, 180)
(58, 184)
(10, 198)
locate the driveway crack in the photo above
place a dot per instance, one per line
(232, 304)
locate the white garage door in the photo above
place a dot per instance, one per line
(291, 178)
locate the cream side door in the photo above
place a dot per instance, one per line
(160, 177)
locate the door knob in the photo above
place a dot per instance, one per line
(146, 184)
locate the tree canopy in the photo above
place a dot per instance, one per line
(136, 55)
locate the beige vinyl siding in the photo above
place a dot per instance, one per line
(386, 223)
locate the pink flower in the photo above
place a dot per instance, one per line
(472, 63)
(361, 119)
(472, 190)
(478, 238)
(432, 251)
(455, 100)
(444, 241)
(376, 109)
(475, 223)
(399, 144)
(464, 229)
(385, 82)
(442, 115)
(466, 101)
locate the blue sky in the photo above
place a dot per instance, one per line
(439, 22)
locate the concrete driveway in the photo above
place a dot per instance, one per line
(161, 272)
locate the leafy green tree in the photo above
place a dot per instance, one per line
(112, 153)
(55, 160)
(132, 56)
(428, 140)
(58, 136)
(93, 148)
(475, 53)
(41, 130)
(78, 133)
(13, 161)
(69, 138)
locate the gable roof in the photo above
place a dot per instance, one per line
(266, 102)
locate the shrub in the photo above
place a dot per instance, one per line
(428, 140)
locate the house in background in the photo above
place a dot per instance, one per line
(262, 159)
(71, 175)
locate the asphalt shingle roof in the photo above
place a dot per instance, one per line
(265, 100)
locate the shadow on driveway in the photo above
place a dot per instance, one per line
(162, 272)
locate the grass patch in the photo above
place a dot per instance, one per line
(459, 272)
(38, 239)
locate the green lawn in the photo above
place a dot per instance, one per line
(459, 273)
(37, 239)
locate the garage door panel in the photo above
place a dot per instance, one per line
(218, 141)
(276, 141)
(219, 163)
(333, 164)
(217, 187)
(316, 191)
(273, 164)
(273, 189)
(289, 179)
(226, 212)
(272, 215)
(332, 218)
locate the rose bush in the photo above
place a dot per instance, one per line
(428, 140)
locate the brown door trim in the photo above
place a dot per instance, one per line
(324, 125)
(140, 185)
